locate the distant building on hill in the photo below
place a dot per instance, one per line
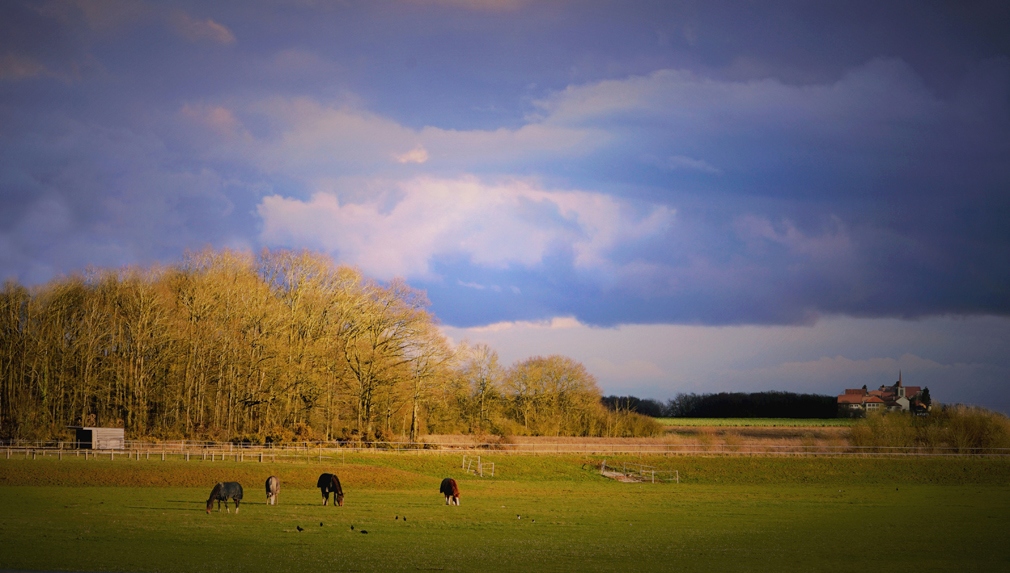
(896, 398)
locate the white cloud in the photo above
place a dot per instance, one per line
(400, 232)
(416, 155)
(310, 141)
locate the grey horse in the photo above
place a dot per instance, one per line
(273, 488)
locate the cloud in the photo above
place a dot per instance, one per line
(218, 119)
(309, 141)
(14, 67)
(478, 5)
(417, 155)
(100, 15)
(201, 30)
(833, 245)
(688, 163)
(555, 323)
(512, 223)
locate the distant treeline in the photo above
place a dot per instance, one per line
(272, 347)
(730, 405)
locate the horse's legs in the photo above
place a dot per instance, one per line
(236, 505)
(326, 497)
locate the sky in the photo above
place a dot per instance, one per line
(686, 196)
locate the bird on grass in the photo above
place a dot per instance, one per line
(363, 531)
(299, 528)
(352, 528)
(320, 524)
(397, 517)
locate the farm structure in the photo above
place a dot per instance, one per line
(100, 438)
(896, 397)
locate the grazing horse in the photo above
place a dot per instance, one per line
(328, 483)
(450, 490)
(273, 488)
(223, 491)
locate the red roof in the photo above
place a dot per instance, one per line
(850, 399)
(874, 400)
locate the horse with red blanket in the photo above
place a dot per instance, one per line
(327, 484)
(450, 490)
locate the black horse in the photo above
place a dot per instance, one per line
(273, 488)
(328, 483)
(222, 492)
(450, 490)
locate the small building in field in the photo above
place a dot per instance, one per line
(100, 438)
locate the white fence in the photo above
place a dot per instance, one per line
(626, 471)
(476, 466)
(307, 451)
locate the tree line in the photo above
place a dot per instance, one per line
(730, 405)
(273, 347)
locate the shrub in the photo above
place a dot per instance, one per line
(961, 428)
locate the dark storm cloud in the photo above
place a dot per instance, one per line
(805, 158)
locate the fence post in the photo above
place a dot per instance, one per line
(85, 455)
(261, 457)
(162, 455)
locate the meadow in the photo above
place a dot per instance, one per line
(727, 514)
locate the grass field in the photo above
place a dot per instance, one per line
(727, 514)
(759, 422)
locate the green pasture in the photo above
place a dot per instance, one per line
(759, 422)
(727, 514)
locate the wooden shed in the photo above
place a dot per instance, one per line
(100, 438)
